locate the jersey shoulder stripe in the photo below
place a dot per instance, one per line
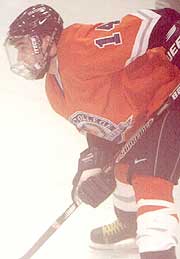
(149, 20)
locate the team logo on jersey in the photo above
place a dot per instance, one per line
(101, 127)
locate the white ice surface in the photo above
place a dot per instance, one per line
(39, 152)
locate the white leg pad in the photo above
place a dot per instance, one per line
(157, 230)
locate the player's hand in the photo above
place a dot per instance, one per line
(93, 182)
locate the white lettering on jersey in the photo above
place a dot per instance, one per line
(173, 50)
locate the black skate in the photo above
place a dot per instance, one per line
(119, 234)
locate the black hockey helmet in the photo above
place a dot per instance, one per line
(33, 25)
(39, 19)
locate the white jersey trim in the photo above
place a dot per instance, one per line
(170, 207)
(149, 20)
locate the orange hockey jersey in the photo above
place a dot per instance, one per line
(109, 83)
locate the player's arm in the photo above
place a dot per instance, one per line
(106, 48)
(109, 47)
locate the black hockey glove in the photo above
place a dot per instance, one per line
(93, 182)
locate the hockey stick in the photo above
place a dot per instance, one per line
(120, 155)
(50, 231)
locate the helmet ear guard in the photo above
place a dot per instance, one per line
(36, 22)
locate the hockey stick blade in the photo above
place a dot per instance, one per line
(50, 231)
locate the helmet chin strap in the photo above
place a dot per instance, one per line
(37, 47)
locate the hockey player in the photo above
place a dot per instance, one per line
(108, 79)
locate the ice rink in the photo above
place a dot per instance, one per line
(39, 152)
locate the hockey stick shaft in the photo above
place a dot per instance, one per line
(50, 231)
